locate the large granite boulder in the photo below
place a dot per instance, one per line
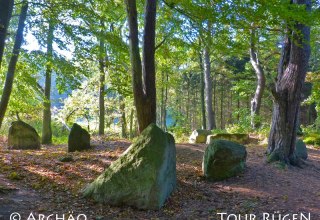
(239, 138)
(143, 176)
(199, 136)
(79, 139)
(301, 149)
(223, 159)
(23, 136)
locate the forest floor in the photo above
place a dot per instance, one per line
(37, 182)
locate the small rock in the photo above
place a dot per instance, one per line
(199, 136)
(67, 158)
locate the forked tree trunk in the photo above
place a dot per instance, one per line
(143, 76)
(102, 85)
(208, 91)
(46, 125)
(287, 92)
(13, 62)
(6, 7)
(261, 82)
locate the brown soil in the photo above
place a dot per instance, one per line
(37, 182)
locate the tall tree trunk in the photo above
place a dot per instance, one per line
(287, 92)
(165, 103)
(203, 108)
(13, 62)
(143, 76)
(221, 106)
(46, 125)
(162, 109)
(102, 85)
(208, 90)
(131, 123)
(123, 118)
(261, 82)
(6, 7)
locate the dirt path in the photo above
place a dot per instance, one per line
(48, 186)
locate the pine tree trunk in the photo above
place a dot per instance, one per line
(208, 91)
(6, 7)
(287, 92)
(203, 106)
(13, 62)
(46, 125)
(101, 86)
(261, 82)
(143, 76)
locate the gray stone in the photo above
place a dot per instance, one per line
(23, 136)
(239, 138)
(223, 159)
(301, 149)
(79, 139)
(199, 136)
(143, 176)
(67, 158)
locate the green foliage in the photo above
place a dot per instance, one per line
(311, 135)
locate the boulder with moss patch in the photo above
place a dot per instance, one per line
(223, 159)
(23, 136)
(239, 138)
(143, 176)
(199, 136)
(79, 139)
(301, 150)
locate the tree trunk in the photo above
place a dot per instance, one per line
(102, 85)
(46, 125)
(165, 103)
(221, 106)
(261, 82)
(143, 76)
(6, 7)
(287, 92)
(123, 118)
(13, 62)
(208, 91)
(203, 108)
(131, 123)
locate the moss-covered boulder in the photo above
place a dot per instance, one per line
(239, 138)
(143, 176)
(79, 139)
(23, 136)
(301, 149)
(199, 136)
(223, 159)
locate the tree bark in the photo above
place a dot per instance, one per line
(143, 76)
(221, 106)
(261, 82)
(131, 123)
(46, 125)
(6, 7)
(203, 108)
(102, 85)
(13, 62)
(287, 92)
(208, 91)
(123, 118)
